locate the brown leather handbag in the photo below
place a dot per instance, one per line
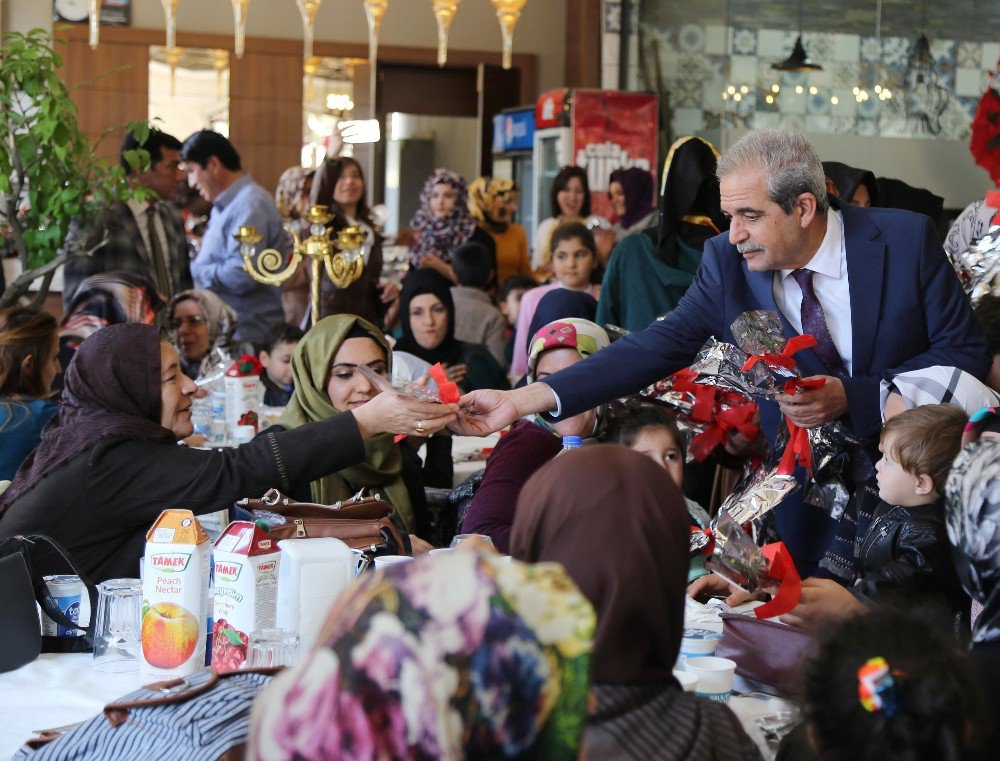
(362, 523)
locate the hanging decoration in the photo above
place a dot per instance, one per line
(508, 12)
(374, 11)
(799, 59)
(444, 12)
(308, 9)
(220, 62)
(173, 56)
(240, 19)
(94, 16)
(309, 68)
(170, 11)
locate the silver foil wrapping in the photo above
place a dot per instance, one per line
(759, 493)
(735, 557)
(978, 267)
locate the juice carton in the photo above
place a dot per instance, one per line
(243, 390)
(246, 589)
(176, 569)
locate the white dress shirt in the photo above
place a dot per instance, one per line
(830, 282)
(138, 209)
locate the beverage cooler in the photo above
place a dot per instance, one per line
(513, 142)
(599, 130)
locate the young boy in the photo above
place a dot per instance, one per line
(477, 321)
(652, 431)
(905, 550)
(277, 362)
(509, 304)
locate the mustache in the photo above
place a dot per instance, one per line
(749, 247)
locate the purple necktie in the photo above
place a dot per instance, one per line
(814, 323)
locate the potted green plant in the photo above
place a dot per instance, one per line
(52, 183)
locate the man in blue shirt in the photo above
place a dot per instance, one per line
(214, 170)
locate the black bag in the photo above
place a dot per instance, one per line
(21, 585)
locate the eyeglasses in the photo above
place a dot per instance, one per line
(191, 321)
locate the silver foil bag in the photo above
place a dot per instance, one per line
(759, 493)
(978, 267)
(735, 557)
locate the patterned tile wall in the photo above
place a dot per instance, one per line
(699, 62)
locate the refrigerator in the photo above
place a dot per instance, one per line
(599, 130)
(513, 159)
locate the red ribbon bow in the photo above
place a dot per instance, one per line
(447, 391)
(794, 344)
(797, 450)
(782, 569)
(737, 418)
(704, 396)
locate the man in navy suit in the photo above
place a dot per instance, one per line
(873, 285)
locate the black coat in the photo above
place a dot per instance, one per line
(906, 552)
(100, 504)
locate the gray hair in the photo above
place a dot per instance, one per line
(790, 164)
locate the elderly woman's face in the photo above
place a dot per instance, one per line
(191, 328)
(551, 362)
(176, 394)
(347, 387)
(428, 320)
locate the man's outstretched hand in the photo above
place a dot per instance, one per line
(483, 412)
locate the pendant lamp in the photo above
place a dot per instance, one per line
(799, 60)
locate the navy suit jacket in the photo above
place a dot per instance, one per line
(908, 312)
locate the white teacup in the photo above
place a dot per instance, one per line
(715, 676)
(697, 642)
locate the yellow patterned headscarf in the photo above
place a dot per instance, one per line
(487, 196)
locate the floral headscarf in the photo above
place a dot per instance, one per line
(986, 419)
(972, 515)
(570, 333)
(292, 195)
(448, 657)
(440, 237)
(487, 197)
(220, 318)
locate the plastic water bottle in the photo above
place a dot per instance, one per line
(570, 443)
(201, 417)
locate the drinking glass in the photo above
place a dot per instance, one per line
(117, 628)
(272, 647)
(459, 538)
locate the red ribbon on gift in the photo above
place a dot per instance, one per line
(735, 418)
(782, 569)
(709, 548)
(246, 366)
(447, 391)
(797, 450)
(704, 396)
(795, 344)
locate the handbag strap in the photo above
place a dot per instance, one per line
(23, 545)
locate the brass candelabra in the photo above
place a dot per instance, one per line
(342, 257)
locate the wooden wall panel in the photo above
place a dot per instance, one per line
(584, 22)
(265, 112)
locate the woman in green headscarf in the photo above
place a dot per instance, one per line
(328, 382)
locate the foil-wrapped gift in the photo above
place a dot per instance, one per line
(978, 267)
(761, 491)
(721, 364)
(735, 557)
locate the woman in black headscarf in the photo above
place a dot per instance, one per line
(632, 565)
(857, 187)
(427, 314)
(649, 273)
(109, 463)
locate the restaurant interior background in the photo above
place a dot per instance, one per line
(692, 54)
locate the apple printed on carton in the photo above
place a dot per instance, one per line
(176, 568)
(246, 587)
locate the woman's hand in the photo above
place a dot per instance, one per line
(388, 292)
(456, 373)
(395, 413)
(713, 586)
(420, 546)
(434, 262)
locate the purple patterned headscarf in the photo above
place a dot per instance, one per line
(112, 389)
(637, 185)
(440, 237)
